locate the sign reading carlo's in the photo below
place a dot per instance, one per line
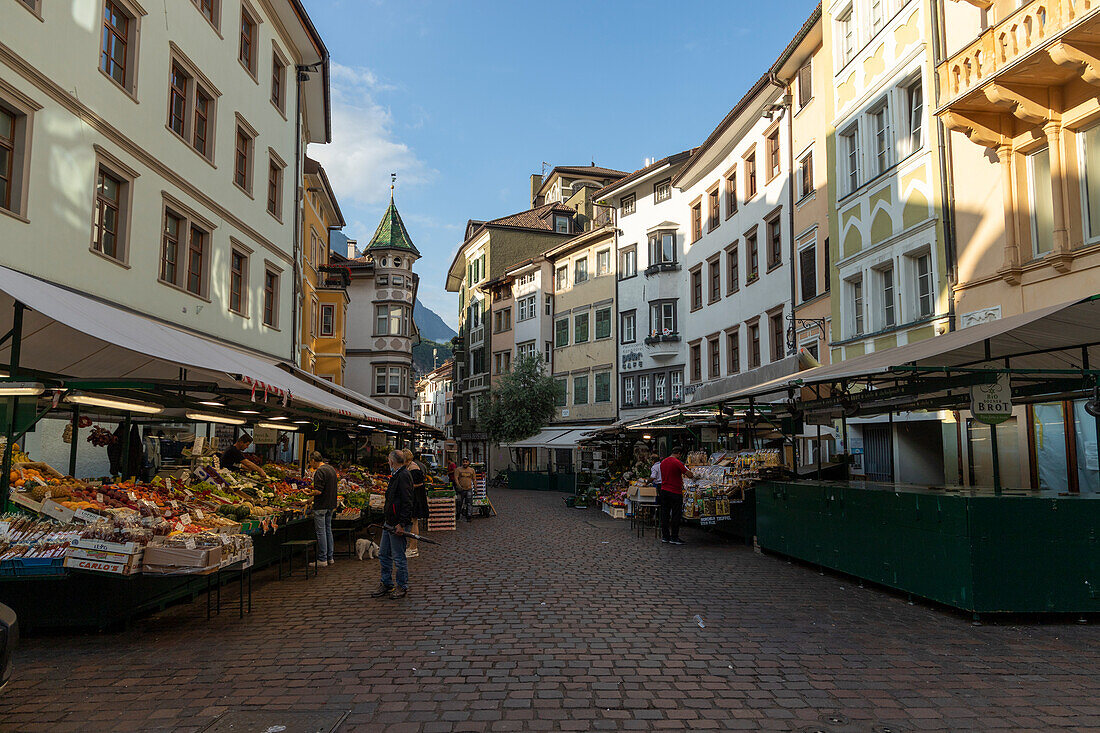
(992, 403)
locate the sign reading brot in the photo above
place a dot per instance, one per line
(992, 403)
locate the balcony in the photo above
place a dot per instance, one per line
(662, 345)
(660, 267)
(1015, 68)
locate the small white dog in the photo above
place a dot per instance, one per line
(366, 547)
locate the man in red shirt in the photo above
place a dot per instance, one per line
(670, 497)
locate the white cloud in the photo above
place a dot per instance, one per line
(364, 151)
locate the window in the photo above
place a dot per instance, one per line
(393, 320)
(603, 262)
(548, 347)
(238, 282)
(677, 379)
(889, 313)
(849, 146)
(209, 9)
(527, 307)
(828, 275)
(1042, 203)
(733, 352)
(526, 279)
(561, 277)
(247, 54)
(502, 362)
(580, 328)
(752, 258)
(914, 95)
(628, 205)
(561, 332)
(754, 346)
(714, 275)
(204, 114)
(549, 304)
(856, 290)
(662, 190)
(603, 386)
(271, 296)
(562, 397)
(116, 53)
(643, 389)
(775, 241)
(628, 262)
(881, 145)
(561, 224)
(275, 189)
(772, 148)
(1090, 180)
(502, 320)
(750, 175)
(777, 336)
(603, 323)
(696, 362)
(662, 318)
(14, 125)
(733, 269)
(394, 380)
(806, 175)
(526, 351)
(715, 210)
(580, 271)
(878, 18)
(697, 221)
(628, 390)
(697, 288)
(110, 200)
(179, 82)
(846, 32)
(659, 388)
(662, 247)
(170, 247)
(731, 193)
(580, 390)
(278, 82)
(475, 270)
(629, 327)
(805, 85)
(714, 358)
(314, 316)
(924, 285)
(807, 269)
(242, 159)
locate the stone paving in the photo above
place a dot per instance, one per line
(548, 618)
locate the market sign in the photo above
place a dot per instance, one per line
(265, 436)
(992, 403)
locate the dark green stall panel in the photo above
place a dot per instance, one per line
(1022, 553)
(542, 481)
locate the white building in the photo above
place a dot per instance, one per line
(738, 259)
(434, 400)
(153, 160)
(651, 244)
(532, 288)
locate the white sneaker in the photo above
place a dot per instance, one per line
(332, 562)
(320, 564)
(412, 553)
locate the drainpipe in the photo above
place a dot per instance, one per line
(302, 72)
(947, 181)
(786, 102)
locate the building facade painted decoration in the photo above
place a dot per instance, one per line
(323, 296)
(381, 331)
(651, 244)
(168, 185)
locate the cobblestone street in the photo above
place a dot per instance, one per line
(548, 618)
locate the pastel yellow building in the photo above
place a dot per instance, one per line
(324, 286)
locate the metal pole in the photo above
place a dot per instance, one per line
(847, 448)
(819, 451)
(125, 467)
(75, 444)
(13, 404)
(996, 460)
(893, 462)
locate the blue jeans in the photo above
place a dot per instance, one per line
(322, 520)
(391, 552)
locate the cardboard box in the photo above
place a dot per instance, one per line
(101, 567)
(177, 559)
(641, 492)
(61, 513)
(125, 548)
(78, 553)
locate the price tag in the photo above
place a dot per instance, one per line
(188, 492)
(99, 498)
(167, 513)
(132, 495)
(168, 483)
(224, 539)
(199, 514)
(178, 527)
(174, 504)
(5, 525)
(185, 518)
(189, 543)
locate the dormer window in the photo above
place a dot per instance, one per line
(561, 224)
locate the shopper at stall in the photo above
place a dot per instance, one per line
(451, 468)
(420, 499)
(670, 496)
(397, 515)
(464, 484)
(234, 456)
(325, 481)
(655, 471)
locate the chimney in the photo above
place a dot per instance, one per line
(351, 249)
(536, 184)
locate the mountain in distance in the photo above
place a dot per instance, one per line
(427, 355)
(432, 327)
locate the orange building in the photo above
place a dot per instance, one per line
(324, 287)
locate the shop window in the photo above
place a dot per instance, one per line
(1088, 465)
(1048, 435)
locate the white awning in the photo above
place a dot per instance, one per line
(1037, 340)
(74, 335)
(543, 440)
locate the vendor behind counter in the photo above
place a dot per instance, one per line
(235, 459)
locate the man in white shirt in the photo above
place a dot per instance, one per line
(655, 472)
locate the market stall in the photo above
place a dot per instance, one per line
(1000, 542)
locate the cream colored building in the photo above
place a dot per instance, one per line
(153, 156)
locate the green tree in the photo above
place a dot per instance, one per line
(522, 403)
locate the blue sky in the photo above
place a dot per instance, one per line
(464, 100)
